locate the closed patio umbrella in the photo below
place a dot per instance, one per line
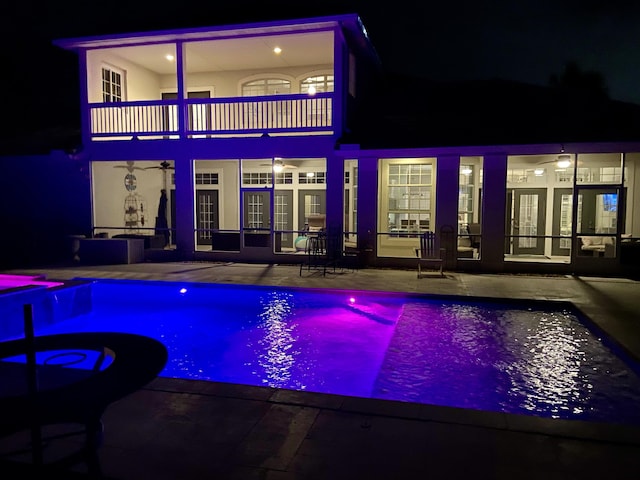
(162, 226)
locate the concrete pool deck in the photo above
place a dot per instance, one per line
(182, 429)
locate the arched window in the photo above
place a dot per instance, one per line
(317, 83)
(266, 86)
(318, 112)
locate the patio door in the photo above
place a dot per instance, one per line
(256, 217)
(526, 209)
(207, 215)
(310, 202)
(283, 218)
(562, 210)
(598, 219)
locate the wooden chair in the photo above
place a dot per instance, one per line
(428, 255)
(474, 235)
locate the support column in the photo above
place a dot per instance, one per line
(494, 191)
(446, 205)
(185, 210)
(367, 207)
(335, 194)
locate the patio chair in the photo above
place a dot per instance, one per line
(474, 234)
(317, 222)
(315, 246)
(428, 255)
(52, 400)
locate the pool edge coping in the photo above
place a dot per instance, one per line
(516, 423)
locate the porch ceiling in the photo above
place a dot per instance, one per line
(235, 54)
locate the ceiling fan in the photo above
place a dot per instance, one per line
(164, 165)
(129, 166)
(563, 160)
(278, 165)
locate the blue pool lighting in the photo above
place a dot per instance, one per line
(534, 358)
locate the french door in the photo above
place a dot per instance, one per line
(283, 218)
(310, 202)
(526, 209)
(256, 217)
(207, 216)
(562, 213)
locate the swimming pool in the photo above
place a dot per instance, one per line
(529, 358)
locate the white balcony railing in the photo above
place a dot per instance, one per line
(213, 116)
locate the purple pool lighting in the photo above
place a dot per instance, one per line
(533, 358)
(14, 281)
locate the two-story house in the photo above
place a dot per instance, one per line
(245, 129)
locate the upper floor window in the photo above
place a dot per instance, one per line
(111, 85)
(317, 83)
(266, 86)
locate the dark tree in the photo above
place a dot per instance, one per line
(573, 78)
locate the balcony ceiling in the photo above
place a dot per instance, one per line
(250, 53)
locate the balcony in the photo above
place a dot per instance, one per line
(293, 114)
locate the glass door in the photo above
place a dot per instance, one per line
(562, 215)
(283, 219)
(207, 216)
(597, 221)
(527, 221)
(256, 218)
(311, 202)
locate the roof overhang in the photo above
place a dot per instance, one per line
(350, 23)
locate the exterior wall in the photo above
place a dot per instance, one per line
(632, 223)
(228, 84)
(141, 84)
(45, 198)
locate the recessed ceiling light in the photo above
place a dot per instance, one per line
(277, 50)
(169, 57)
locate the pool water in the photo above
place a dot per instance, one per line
(535, 359)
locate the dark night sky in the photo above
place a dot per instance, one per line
(525, 40)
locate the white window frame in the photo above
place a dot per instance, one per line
(122, 86)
